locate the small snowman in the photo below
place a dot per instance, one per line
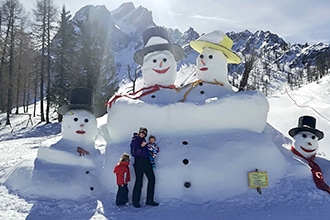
(215, 53)
(71, 165)
(79, 125)
(158, 60)
(305, 146)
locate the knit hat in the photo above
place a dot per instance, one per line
(124, 157)
(143, 131)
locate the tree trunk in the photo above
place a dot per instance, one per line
(11, 67)
(48, 66)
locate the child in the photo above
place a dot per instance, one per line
(123, 177)
(153, 149)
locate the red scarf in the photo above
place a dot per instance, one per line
(146, 91)
(316, 171)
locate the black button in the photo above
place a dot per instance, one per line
(187, 184)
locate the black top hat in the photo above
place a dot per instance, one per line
(306, 123)
(149, 47)
(81, 98)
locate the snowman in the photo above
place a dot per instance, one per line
(305, 146)
(215, 53)
(188, 165)
(158, 60)
(70, 166)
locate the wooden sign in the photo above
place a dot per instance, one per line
(258, 179)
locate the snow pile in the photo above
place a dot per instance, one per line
(240, 111)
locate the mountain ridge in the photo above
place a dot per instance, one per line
(274, 57)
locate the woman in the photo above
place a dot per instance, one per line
(142, 166)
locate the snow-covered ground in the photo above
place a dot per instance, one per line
(294, 196)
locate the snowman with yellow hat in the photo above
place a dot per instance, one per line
(215, 53)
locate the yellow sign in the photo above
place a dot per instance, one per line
(258, 179)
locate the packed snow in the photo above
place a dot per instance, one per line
(209, 142)
(294, 196)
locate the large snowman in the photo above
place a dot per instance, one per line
(69, 168)
(190, 164)
(210, 99)
(158, 60)
(215, 53)
(305, 147)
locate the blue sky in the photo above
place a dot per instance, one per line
(297, 21)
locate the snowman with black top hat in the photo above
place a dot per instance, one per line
(69, 167)
(305, 146)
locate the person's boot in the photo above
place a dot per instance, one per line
(152, 203)
(136, 205)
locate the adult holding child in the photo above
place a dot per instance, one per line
(142, 166)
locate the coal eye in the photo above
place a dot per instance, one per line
(75, 119)
(313, 137)
(86, 120)
(164, 60)
(210, 57)
(201, 56)
(154, 60)
(304, 136)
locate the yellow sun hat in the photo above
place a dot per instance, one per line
(216, 40)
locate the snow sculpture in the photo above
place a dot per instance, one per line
(306, 137)
(158, 61)
(215, 53)
(305, 146)
(158, 58)
(69, 168)
(189, 165)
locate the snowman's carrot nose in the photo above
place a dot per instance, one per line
(161, 64)
(203, 62)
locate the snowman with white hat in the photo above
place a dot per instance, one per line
(158, 60)
(70, 166)
(215, 53)
(305, 146)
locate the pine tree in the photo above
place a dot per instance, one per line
(97, 69)
(63, 48)
(45, 16)
(13, 12)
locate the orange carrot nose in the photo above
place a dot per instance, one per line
(161, 64)
(203, 62)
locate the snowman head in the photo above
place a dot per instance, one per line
(79, 125)
(212, 65)
(306, 136)
(158, 57)
(159, 67)
(306, 143)
(219, 41)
